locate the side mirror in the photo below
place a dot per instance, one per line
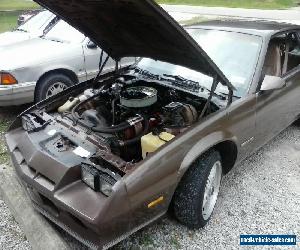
(92, 45)
(272, 83)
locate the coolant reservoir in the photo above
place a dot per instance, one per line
(68, 105)
(150, 143)
(72, 102)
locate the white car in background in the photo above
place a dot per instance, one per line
(39, 68)
(33, 27)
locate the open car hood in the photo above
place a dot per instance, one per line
(135, 28)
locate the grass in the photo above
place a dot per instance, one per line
(7, 115)
(146, 240)
(4, 124)
(175, 243)
(8, 20)
(17, 5)
(259, 4)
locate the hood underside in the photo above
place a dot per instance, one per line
(135, 28)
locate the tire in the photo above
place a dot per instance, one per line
(189, 206)
(51, 85)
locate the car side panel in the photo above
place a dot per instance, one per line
(293, 84)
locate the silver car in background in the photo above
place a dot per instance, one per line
(42, 67)
(33, 27)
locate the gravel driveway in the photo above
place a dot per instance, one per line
(260, 196)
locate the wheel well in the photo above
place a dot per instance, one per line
(228, 152)
(66, 72)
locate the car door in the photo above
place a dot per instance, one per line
(276, 109)
(92, 55)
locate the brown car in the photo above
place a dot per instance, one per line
(107, 157)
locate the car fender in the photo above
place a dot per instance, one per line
(33, 73)
(81, 75)
(202, 146)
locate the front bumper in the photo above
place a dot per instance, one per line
(17, 94)
(95, 220)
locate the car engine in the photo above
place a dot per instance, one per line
(128, 113)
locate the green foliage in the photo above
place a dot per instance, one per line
(8, 20)
(10, 10)
(259, 4)
(3, 153)
(174, 242)
(17, 5)
(146, 240)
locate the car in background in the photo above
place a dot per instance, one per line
(26, 15)
(33, 27)
(42, 67)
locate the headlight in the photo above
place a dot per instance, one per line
(97, 180)
(7, 79)
(90, 177)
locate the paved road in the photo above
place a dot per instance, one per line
(180, 11)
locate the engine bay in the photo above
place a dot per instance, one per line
(125, 113)
(127, 119)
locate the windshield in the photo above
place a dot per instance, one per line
(63, 32)
(235, 54)
(37, 22)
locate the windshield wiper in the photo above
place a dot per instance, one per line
(54, 39)
(22, 30)
(196, 85)
(176, 77)
(177, 81)
(187, 84)
(50, 25)
(147, 74)
(193, 85)
(227, 94)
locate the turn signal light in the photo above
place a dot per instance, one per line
(7, 79)
(156, 202)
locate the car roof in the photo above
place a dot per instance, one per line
(255, 27)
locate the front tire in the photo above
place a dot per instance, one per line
(51, 85)
(196, 195)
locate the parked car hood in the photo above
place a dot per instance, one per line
(137, 28)
(24, 54)
(12, 37)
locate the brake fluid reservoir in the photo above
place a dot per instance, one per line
(150, 143)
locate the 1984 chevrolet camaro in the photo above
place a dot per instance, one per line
(106, 157)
